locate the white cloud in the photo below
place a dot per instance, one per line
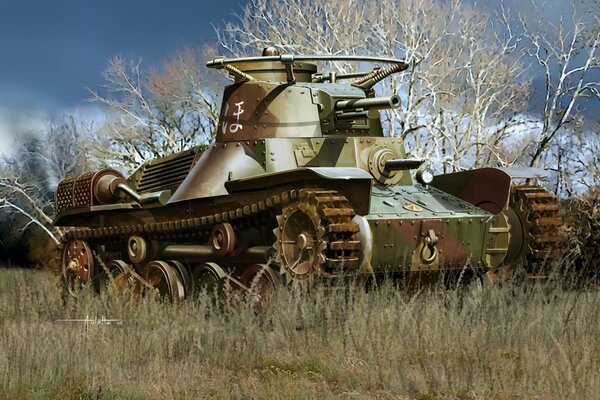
(16, 121)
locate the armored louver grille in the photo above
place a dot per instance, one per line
(165, 173)
(74, 192)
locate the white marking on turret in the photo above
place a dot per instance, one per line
(237, 126)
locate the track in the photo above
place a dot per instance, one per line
(538, 211)
(321, 217)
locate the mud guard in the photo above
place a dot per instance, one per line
(486, 188)
(352, 182)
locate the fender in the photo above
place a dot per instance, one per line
(486, 188)
(355, 183)
(525, 172)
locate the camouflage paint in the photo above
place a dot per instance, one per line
(274, 135)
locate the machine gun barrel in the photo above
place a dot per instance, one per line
(403, 164)
(375, 103)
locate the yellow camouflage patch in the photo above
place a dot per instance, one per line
(412, 207)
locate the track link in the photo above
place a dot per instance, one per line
(539, 210)
(174, 228)
(341, 254)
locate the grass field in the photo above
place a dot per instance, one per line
(491, 343)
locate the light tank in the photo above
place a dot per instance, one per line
(301, 185)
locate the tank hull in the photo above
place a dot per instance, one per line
(392, 221)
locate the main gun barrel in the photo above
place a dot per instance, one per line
(375, 103)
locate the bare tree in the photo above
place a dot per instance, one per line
(157, 112)
(465, 75)
(577, 170)
(25, 200)
(569, 56)
(29, 177)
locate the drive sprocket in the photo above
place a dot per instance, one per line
(316, 237)
(536, 236)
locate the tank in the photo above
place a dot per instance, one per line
(300, 186)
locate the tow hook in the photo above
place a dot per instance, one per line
(430, 241)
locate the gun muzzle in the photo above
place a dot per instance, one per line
(375, 103)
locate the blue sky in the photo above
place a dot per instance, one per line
(51, 50)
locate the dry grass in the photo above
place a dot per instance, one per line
(497, 343)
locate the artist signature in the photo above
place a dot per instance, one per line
(94, 321)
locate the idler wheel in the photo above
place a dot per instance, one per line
(223, 239)
(77, 266)
(164, 278)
